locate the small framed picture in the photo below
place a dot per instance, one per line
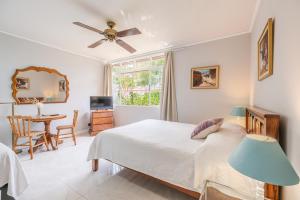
(265, 51)
(23, 83)
(62, 85)
(205, 77)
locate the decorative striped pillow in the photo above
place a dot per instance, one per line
(204, 128)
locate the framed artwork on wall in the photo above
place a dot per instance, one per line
(205, 77)
(22, 83)
(265, 51)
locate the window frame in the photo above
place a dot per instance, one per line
(136, 69)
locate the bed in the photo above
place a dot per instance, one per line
(11, 172)
(164, 151)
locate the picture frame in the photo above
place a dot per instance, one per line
(22, 83)
(62, 85)
(265, 51)
(205, 77)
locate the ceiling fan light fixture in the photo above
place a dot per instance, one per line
(111, 24)
(112, 35)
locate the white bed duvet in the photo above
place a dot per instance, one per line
(11, 172)
(165, 151)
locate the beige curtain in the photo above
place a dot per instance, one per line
(107, 85)
(168, 103)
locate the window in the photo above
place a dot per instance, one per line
(138, 82)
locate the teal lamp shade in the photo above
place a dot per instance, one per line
(238, 111)
(261, 158)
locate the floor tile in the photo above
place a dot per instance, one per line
(65, 174)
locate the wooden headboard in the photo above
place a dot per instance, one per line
(263, 122)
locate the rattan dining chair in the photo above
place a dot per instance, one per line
(69, 130)
(21, 128)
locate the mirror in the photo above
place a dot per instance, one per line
(39, 84)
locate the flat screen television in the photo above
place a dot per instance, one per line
(101, 102)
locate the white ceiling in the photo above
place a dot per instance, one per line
(163, 23)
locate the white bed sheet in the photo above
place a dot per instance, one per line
(165, 151)
(11, 172)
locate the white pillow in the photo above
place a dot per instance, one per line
(204, 128)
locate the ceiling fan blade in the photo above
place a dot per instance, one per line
(125, 46)
(128, 32)
(88, 27)
(97, 43)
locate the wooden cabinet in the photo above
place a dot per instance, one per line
(101, 120)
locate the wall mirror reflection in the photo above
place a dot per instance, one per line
(39, 84)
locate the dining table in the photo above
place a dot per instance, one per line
(47, 119)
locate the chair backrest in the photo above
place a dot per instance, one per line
(75, 117)
(20, 125)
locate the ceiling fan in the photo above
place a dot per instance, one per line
(111, 35)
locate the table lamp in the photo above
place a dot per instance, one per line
(261, 158)
(239, 112)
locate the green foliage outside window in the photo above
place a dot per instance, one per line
(138, 83)
(141, 99)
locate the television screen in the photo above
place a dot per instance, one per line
(101, 103)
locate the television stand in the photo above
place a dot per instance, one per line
(100, 121)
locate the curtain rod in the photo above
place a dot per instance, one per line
(160, 51)
(141, 55)
(175, 48)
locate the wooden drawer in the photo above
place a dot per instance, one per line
(103, 120)
(102, 127)
(102, 114)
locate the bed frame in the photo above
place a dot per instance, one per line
(263, 122)
(258, 121)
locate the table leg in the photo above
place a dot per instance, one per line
(48, 134)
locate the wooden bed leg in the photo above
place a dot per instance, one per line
(95, 165)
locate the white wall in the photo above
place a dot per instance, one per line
(128, 114)
(233, 56)
(280, 92)
(85, 76)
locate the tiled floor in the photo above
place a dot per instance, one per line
(65, 174)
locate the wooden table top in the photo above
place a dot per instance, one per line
(44, 118)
